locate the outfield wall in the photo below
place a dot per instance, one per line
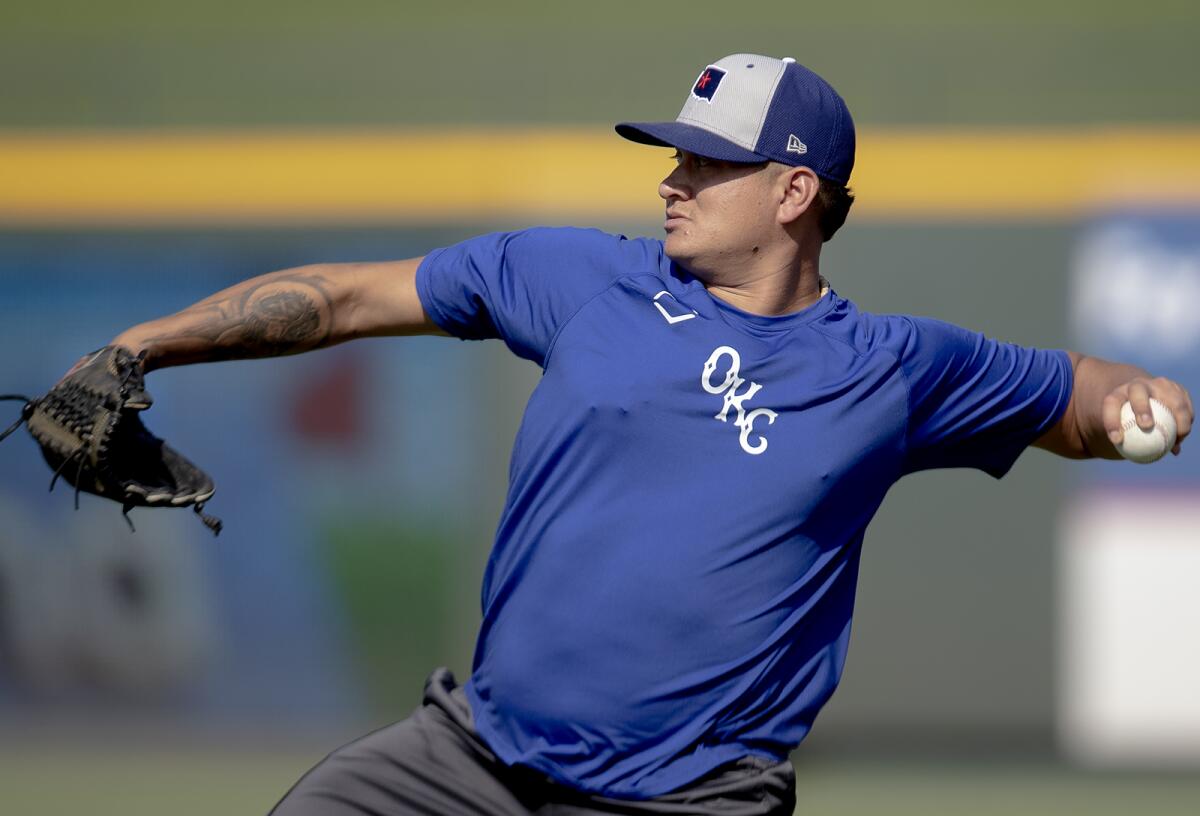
(152, 152)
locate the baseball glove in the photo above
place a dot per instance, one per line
(90, 432)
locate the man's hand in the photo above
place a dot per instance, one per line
(1137, 392)
(1091, 425)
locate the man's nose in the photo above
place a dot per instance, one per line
(673, 186)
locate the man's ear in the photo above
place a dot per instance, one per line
(798, 191)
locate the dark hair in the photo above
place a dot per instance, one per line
(833, 201)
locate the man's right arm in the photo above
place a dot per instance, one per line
(287, 312)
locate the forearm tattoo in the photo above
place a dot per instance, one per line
(282, 321)
(280, 314)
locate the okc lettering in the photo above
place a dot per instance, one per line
(728, 388)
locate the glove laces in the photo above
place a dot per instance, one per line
(26, 412)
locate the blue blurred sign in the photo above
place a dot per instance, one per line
(1135, 298)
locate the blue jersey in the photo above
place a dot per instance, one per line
(673, 575)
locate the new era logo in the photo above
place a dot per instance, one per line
(706, 84)
(795, 145)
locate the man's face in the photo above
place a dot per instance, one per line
(718, 213)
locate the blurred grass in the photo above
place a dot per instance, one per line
(1021, 788)
(183, 783)
(143, 63)
(127, 782)
(395, 581)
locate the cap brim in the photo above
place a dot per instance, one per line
(687, 137)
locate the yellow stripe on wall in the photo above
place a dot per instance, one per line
(1014, 173)
(428, 176)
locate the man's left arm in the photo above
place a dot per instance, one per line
(1091, 425)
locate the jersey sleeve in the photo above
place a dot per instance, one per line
(522, 287)
(976, 402)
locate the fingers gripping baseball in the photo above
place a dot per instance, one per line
(1138, 393)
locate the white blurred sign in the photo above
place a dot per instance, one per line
(1129, 636)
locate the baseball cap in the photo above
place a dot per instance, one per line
(751, 108)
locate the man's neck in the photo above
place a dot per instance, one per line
(775, 291)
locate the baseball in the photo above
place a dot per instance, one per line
(1145, 447)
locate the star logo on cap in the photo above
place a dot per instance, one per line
(706, 85)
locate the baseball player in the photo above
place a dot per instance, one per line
(667, 605)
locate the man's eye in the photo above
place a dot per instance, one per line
(698, 161)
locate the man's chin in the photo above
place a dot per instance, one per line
(673, 248)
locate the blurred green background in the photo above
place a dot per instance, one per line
(948, 700)
(132, 62)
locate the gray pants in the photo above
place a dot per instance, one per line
(435, 763)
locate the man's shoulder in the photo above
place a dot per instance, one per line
(921, 345)
(556, 255)
(867, 332)
(585, 254)
(900, 334)
(587, 238)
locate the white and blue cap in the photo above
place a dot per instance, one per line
(751, 108)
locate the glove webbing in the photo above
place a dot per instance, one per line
(211, 522)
